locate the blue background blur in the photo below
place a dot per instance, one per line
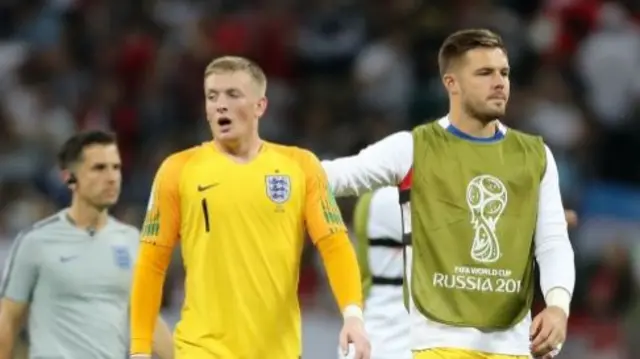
(342, 74)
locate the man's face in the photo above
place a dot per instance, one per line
(481, 79)
(234, 105)
(99, 175)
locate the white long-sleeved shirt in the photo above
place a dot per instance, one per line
(388, 162)
(386, 318)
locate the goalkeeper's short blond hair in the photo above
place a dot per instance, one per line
(226, 64)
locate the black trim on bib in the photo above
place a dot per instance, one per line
(396, 282)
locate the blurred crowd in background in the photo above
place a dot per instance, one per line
(342, 74)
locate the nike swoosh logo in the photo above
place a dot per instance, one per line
(204, 188)
(67, 259)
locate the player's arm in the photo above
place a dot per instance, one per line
(160, 233)
(162, 336)
(329, 235)
(553, 249)
(384, 163)
(19, 279)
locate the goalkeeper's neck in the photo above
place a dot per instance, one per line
(241, 150)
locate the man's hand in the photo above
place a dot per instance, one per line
(140, 356)
(353, 333)
(548, 332)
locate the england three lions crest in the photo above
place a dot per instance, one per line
(278, 188)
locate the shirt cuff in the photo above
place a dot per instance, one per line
(559, 297)
(352, 311)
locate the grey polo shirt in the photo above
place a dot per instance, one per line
(77, 285)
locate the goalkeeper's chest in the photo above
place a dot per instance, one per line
(246, 191)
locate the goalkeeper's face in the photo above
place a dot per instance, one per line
(483, 83)
(234, 104)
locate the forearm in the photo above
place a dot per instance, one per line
(8, 335)
(557, 273)
(12, 320)
(385, 163)
(163, 340)
(146, 295)
(342, 269)
(349, 177)
(553, 250)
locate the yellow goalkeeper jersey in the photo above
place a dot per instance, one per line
(242, 229)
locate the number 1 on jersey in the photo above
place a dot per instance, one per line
(205, 212)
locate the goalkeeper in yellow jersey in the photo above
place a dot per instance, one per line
(239, 207)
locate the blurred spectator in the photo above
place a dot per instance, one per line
(384, 75)
(552, 113)
(607, 61)
(330, 35)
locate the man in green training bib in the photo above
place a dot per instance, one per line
(481, 205)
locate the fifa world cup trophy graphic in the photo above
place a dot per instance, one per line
(487, 199)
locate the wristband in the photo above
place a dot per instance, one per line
(352, 311)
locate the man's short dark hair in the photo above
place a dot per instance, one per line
(460, 42)
(72, 149)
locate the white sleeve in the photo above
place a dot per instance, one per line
(553, 249)
(385, 163)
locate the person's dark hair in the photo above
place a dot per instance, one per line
(72, 149)
(459, 43)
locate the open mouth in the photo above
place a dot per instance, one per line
(224, 121)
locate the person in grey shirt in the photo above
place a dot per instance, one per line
(70, 274)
